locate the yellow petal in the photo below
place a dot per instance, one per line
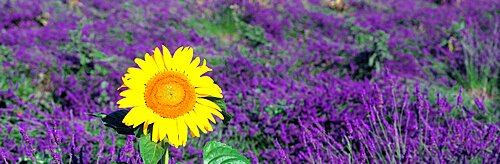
(202, 119)
(121, 86)
(147, 68)
(145, 127)
(209, 91)
(208, 111)
(131, 101)
(158, 59)
(162, 129)
(133, 84)
(156, 129)
(167, 58)
(134, 117)
(186, 57)
(151, 64)
(178, 59)
(198, 119)
(204, 81)
(208, 115)
(195, 63)
(208, 127)
(172, 133)
(215, 112)
(190, 121)
(137, 74)
(208, 103)
(183, 131)
(200, 70)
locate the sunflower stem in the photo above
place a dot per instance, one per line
(165, 156)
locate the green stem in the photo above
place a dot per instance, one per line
(165, 156)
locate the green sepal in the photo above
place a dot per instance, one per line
(114, 120)
(216, 152)
(222, 104)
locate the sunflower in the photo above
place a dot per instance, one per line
(170, 93)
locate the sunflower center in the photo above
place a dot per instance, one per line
(170, 94)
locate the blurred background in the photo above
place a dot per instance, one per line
(315, 81)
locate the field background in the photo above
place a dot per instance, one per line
(308, 81)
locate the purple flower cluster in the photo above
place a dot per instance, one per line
(313, 81)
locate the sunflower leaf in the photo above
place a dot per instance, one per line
(151, 152)
(222, 104)
(216, 152)
(114, 120)
(100, 115)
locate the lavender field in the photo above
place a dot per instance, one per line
(306, 81)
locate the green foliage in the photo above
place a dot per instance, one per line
(457, 27)
(216, 152)
(87, 53)
(219, 25)
(476, 78)
(380, 48)
(374, 48)
(19, 75)
(151, 152)
(254, 34)
(452, 93)
(228, 26)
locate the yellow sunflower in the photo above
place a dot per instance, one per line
(170, 93)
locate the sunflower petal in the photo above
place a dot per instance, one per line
(133, 84)
(156, 129)
(208, 112)
(187, 56)
(208, 103)
(137, 74)
(131, 101)
(146, 67)
(195, 63)
(209, 91)
(190, 121)
(203, 112)
(172, 133)
(151, 63)
(198, 119)
(202, 119)
(145, 127)
(181, 59)
(167, 58)
(162, 129)
(158, 59)
(204, 81)
(134, 117)
(200, 70)
(217, 113)
(208, 127)
(183, 130)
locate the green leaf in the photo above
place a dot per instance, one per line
(114, 120)
(216, 152)
(371, 60)
(151, 152)
(222, 104)
(98, 55)
(100, 115)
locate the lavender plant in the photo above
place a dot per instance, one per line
(290, 71)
